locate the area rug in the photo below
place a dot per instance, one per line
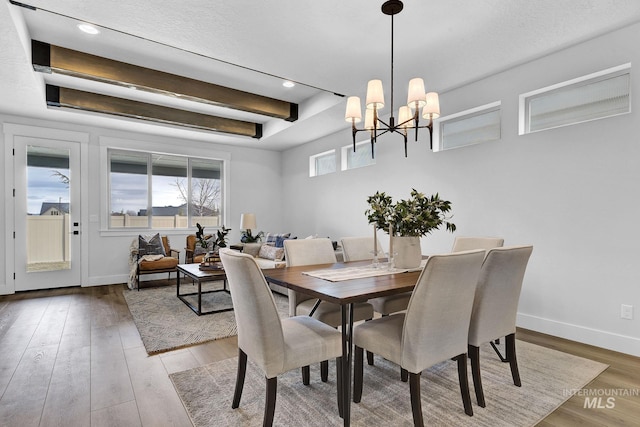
(547, 376)
(166, 323)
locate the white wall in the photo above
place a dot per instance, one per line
(254, 186)
(572, 192)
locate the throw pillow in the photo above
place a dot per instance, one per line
(199, 250)
(271, 238)
(150, 246)
(252, 249)
(271, 252)
(280, 241)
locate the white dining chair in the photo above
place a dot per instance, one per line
(310, 252)
(465, 243)
(359, 248)
(275, 345)
(495, 308)
(434, 328)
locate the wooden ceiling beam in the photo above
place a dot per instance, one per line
(88, 101)
(54, 59)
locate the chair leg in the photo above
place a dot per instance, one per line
(464, 383)
(242, 370)
(510, 343)
(270, 402)
(324, 370)
(416, 403)
(305, 375)
(474, 355)
(404, 375)
(369, 358)
(357, 374)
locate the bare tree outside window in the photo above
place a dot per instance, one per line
(205, 195)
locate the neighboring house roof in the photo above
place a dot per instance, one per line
(47, 206)
(171, 211)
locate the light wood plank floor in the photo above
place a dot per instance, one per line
(73, 357)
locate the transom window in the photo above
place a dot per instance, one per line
(322, 163)
(595, 96)
(361, 157)
(474, 126)
(153, 190)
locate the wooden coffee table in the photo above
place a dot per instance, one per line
(193, 271)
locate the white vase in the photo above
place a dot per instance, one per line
(408, 251)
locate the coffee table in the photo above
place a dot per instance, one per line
(193, 271)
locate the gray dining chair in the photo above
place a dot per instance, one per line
(395, 303)
(359, 248)
(318, 251)
(275, 345)
(495, 307)
(434, 328)
(463, 243)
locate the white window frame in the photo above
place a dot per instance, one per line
(344, 155)
(523, 113)
(312, 162)
(107, 142)
(438, 124)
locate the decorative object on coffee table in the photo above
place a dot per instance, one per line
(411, 219)
(211, 245)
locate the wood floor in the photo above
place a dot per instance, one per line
(73, 357)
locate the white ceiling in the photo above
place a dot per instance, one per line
(329, 46)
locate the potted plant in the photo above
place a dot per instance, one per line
(220, 240)
(247, 237)
(408, 220)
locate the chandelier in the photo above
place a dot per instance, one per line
(408, 115)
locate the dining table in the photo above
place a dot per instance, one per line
(345, 293)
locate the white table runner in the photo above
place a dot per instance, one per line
(349, 273)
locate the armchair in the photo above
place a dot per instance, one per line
(151, 257)
(192, 254)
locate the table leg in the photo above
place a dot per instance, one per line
(347, 330)
(199, 297)
(178, 284)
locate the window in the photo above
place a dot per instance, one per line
(322, 163)
(152, 190)
(361, 157)
(596, 96)
(480, 124)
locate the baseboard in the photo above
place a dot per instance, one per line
(108, 280)
(611, 341)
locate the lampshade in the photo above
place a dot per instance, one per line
(432, 109)
(368, 119)
(404, 114)
(375, 95)
(416, 93)
(248, 221)
(354, 112)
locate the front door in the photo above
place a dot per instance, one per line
(47, 213)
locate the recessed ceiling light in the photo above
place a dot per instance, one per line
(288, 83)
(89, 29)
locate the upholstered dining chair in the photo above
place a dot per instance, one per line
(434, 328)
(463, 243)
(495, 307)
(275, 345)
(359, 248)
(318, 251)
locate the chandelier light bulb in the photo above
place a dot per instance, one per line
(416, 97)
(354, 112)
(375, 94)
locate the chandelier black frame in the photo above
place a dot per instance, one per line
(417, 99)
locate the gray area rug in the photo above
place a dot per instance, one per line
(546, 374)
(166, 323)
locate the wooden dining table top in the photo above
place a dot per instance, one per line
(345, 291)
